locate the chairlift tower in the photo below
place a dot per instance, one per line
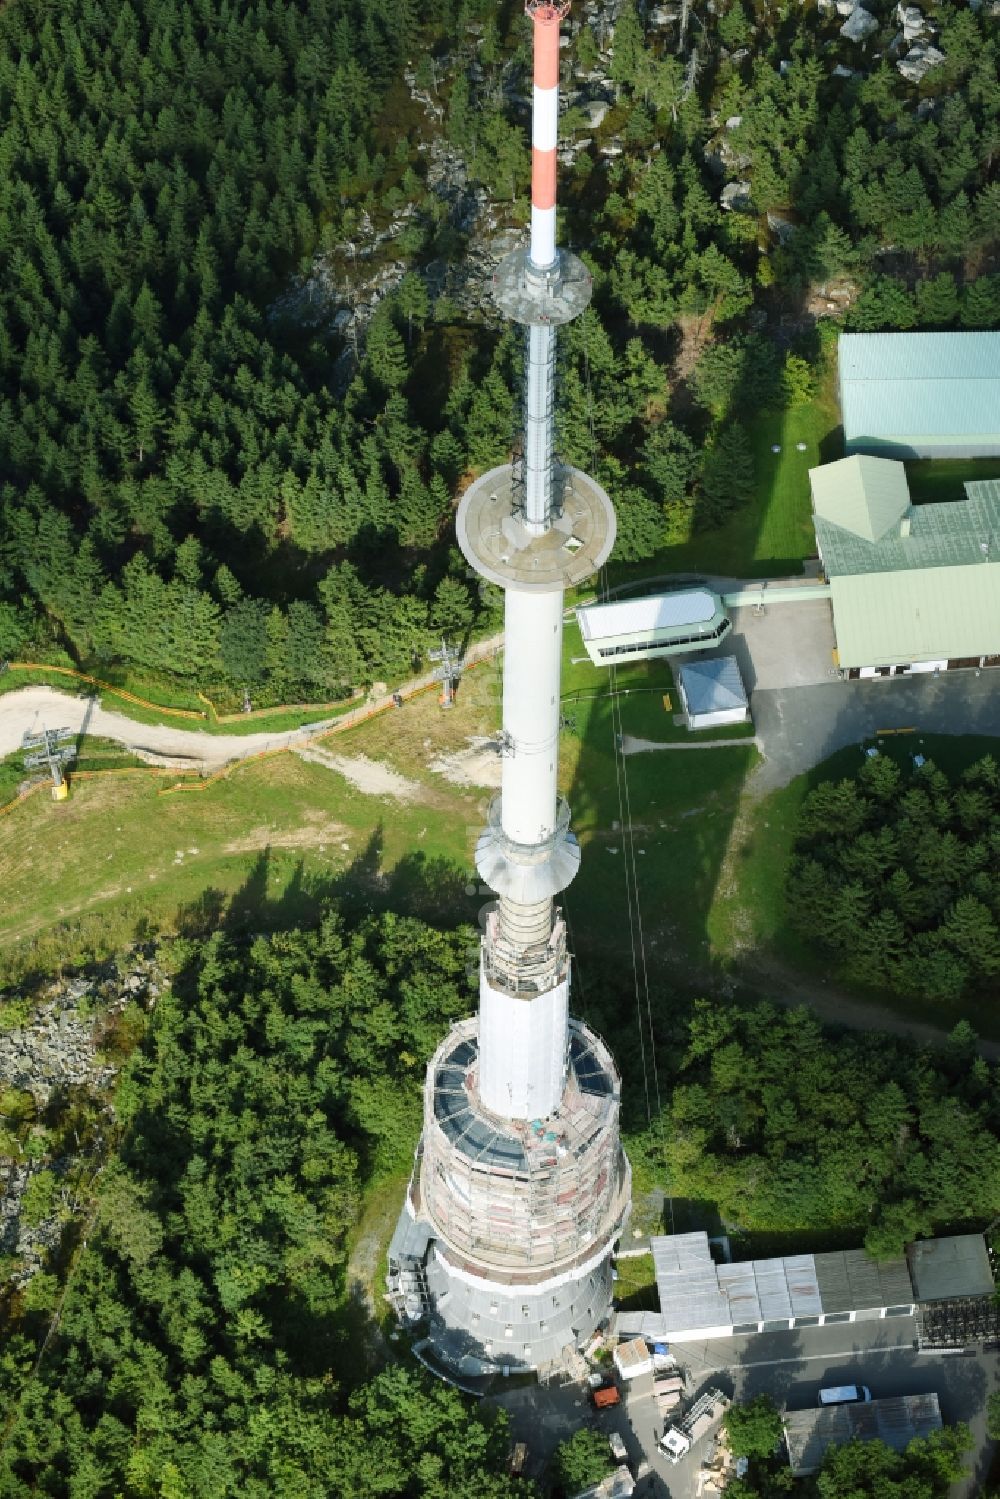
(520, 1188)
(448, 672)
(54, 752)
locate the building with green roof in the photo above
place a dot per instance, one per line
(920, 395)
(913, 587)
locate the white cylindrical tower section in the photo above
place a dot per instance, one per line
(522, 1050)
(544, 131)
(532, 660)
(538, 422)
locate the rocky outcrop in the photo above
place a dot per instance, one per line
(58, 1047)
(919, 60)
(860, 25)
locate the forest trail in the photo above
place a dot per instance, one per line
(836, 1006)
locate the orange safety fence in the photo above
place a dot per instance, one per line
(23, 797)
(200, 782)
(210, 709)
(90, 775)
(256, 713)
(129, 697)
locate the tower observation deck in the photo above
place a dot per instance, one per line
(520, 1187)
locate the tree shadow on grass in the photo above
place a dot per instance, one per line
(433, 889)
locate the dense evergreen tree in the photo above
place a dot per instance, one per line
(895, 877)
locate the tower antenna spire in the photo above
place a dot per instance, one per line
(521, 1187)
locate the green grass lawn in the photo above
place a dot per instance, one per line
(274, 838)
(681, 807)
(939, 480)
(770, 536)
(635, 1287)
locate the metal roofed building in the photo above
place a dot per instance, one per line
(700, 1299)
(955, 1266)
(712, 692)
(920, 395)
(662, 624)
(913, 587)
(896, 1422)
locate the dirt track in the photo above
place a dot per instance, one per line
(32, 708)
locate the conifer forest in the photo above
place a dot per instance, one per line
(248, 363)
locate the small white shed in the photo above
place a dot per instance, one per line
(633, 1358)
(712, 693)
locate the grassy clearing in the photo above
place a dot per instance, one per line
(770, 536)
(273, 839)
(681, 807)
(938, 480)
(266, 843)
(635, 1287)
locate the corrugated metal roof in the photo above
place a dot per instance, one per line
(849, 1280)
(713, 686)
(664, 611)
(687, 1283)
(918, 384)
(919, 356)
(952, 534)
(954, 1266)
(890, 619)
(862, 495)
(894, 1421)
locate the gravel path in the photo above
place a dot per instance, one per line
(31, 708)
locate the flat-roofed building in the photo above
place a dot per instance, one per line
(920, 395)
(942, 1269)
(895, 1421)
(662, 624)
(701, 1299)
(913, 587)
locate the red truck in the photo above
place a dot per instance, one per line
(607, 1395)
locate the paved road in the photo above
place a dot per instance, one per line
(800, 726)
(803, 712)
(792, 1367)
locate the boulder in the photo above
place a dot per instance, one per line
(913, 22)
(859, 25)
(919, 60)
(596, 110)
(736, 197)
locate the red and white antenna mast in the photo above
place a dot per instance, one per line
(545, 21)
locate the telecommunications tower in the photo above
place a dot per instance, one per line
(520, 1188)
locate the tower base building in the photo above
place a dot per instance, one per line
(504, 1244)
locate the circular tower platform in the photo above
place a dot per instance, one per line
(494, 538)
